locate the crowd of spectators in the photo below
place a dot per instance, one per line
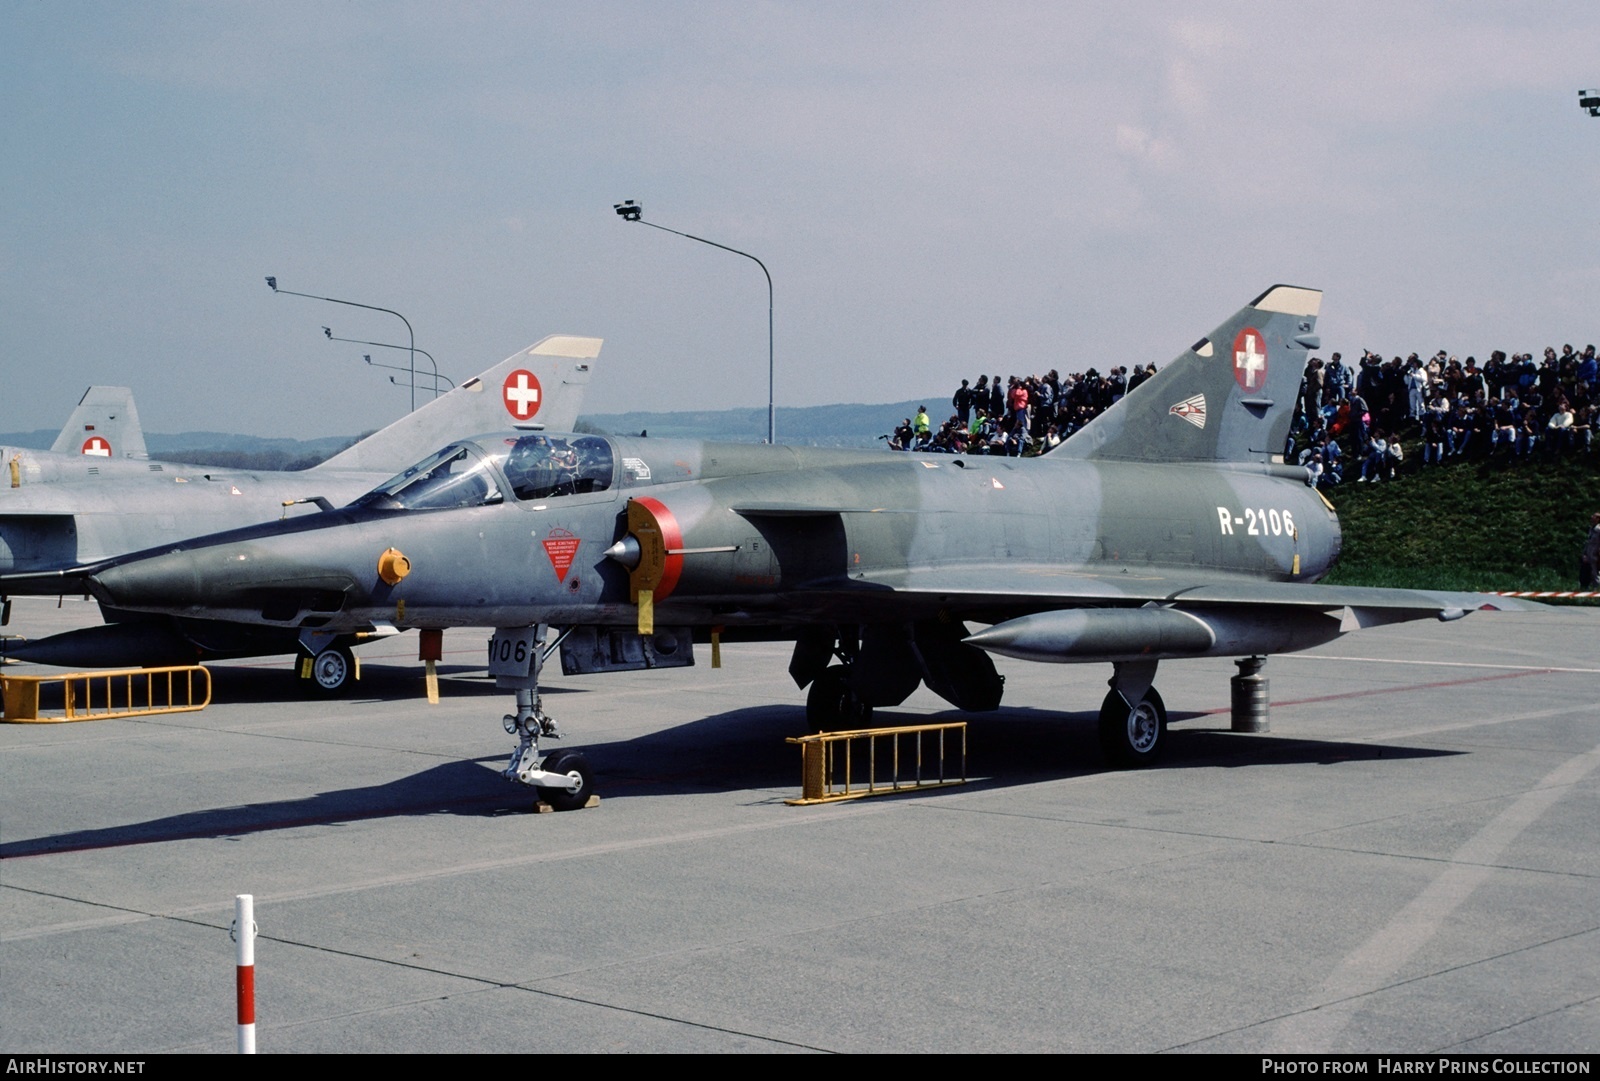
(1354, 422)
(1025, 415)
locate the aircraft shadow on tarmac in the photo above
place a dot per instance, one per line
(741, 750)
(745, 749)
(378, 683)
(464, 787)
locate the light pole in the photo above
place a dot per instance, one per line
(273, 283)
(631, 211)
(328, 333)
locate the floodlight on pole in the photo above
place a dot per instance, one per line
(329, 334)
(272, 283)
(628, 210)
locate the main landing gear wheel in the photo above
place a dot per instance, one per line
(333, 670)
(1132, 736)
(831, 706)
(568, 762)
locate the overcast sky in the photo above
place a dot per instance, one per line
(937, 189)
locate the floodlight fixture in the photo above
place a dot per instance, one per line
(628, 210)
(412, 348)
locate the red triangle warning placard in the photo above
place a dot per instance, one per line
(560, 546)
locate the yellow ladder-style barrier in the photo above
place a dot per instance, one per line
(846, 765)
(98, 696)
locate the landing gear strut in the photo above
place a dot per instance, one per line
(563, 778)
(1133, 719)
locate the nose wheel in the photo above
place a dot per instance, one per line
(574, 769)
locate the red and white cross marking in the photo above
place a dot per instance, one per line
(522, 394)
(1250, 359)
(97, 446)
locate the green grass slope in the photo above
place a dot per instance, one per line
(1471, 526)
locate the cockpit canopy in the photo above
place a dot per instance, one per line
(477, 472)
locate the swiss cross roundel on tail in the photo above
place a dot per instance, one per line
(522, 394)
(1250, 359)
(97, 447)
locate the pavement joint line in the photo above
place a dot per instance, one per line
(1396, 984)
(492, 986)
(1530, 668)
(817, 817)
(747, 941)
(1416, 923)
(207, 1046)
(1225, 841)
(1481, 722)
(1419, 858)
(674, 1020)
(1456, 805)
(1518, 1024)
(1404, 688)
(486, 983)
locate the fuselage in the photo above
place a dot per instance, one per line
(749, 532)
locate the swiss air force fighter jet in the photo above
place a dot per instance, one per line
(63, 510)
(1169, 527)
(101, 437)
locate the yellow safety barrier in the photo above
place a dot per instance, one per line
(97, 696)
(829, 762)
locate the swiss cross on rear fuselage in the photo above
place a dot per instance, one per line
(521, 393)
(1250, 359)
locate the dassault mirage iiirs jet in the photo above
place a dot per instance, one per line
(1168, 527)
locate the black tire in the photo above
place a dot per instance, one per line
(1133, 737)
(831, 706)
(332, 671)
(568, 762)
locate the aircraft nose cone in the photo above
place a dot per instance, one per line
(165, 580)
(240, 581)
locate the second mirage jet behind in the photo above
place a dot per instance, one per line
(1168, 527)
(62, 510)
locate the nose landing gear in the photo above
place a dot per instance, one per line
(563, 778)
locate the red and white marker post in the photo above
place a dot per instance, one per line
(244, 926)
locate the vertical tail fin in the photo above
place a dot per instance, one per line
(1229, 398)
(105, 425)
(540, 385)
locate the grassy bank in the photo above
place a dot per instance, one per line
(1474, 525)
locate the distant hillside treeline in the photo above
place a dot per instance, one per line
(818, 426)
(246, 452)
(812, 426)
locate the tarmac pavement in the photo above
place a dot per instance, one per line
(1406, 863)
